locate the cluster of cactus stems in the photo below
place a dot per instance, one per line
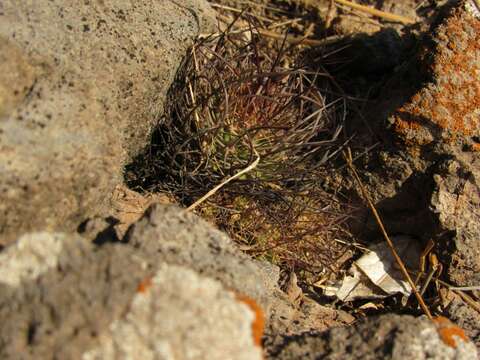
(238, 96)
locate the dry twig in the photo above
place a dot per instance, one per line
(349, 160)
(225, 182)
(382, 14)
(292, 39)
(474, 304)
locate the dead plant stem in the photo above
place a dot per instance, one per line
(349, 160)
(474, 304)
(300, 40)
(212, 192)
(295, 40)
(465, 288)
(382, 14)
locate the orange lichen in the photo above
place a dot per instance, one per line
(403, 124)
(144, 285)
(452, 101)
(476, 147)
(449, 332)
(258, 324)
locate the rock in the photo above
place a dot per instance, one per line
(181, 238)
(31, 256)
(74, 300)
(456, 203)
(439, 130)
(445, 110)
(173, 277)
(426, 181)
(81, 87)
(466, 317)
(427, 184)
(385, 337)
(181, 315)
(61, 310)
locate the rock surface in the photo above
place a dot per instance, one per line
(440, 134)
(179, 314)
(81, 87)
(76, 300)
(386, 337)
(181, 238)
(466, 317)
(174, 288)
(426, 182)
(63, 295)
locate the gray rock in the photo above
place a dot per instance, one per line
(428, 183)
(61, 297)
(466, 317)
(183, 315)
(386, 337)
(30, 257)
(181, 238)
(81, 87)
(456, 203)
(178, 237)
(439, 130)
(173, 287)
(69, 298)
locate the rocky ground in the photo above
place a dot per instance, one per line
(90, 269)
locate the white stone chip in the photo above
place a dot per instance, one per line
(28, 258)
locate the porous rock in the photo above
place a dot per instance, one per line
(179, 237)
(81, 86)
(173, 287)
(73, 293)
(386, 337)
(440, 134)
(76, 300)
(181, 315)
(428, 183)
(466, 317)
(30, 257)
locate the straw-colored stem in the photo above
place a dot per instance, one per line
(382, 14)
(292, 39)
(300, 40)
(348, 158)
(474, 304)
(465, 288)
(225, 182)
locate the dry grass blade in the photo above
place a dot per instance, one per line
(382, 14)
(474, 304)
(292, 39)
(349, 160)
(465, 288)
(297, 40)
(223, 183)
